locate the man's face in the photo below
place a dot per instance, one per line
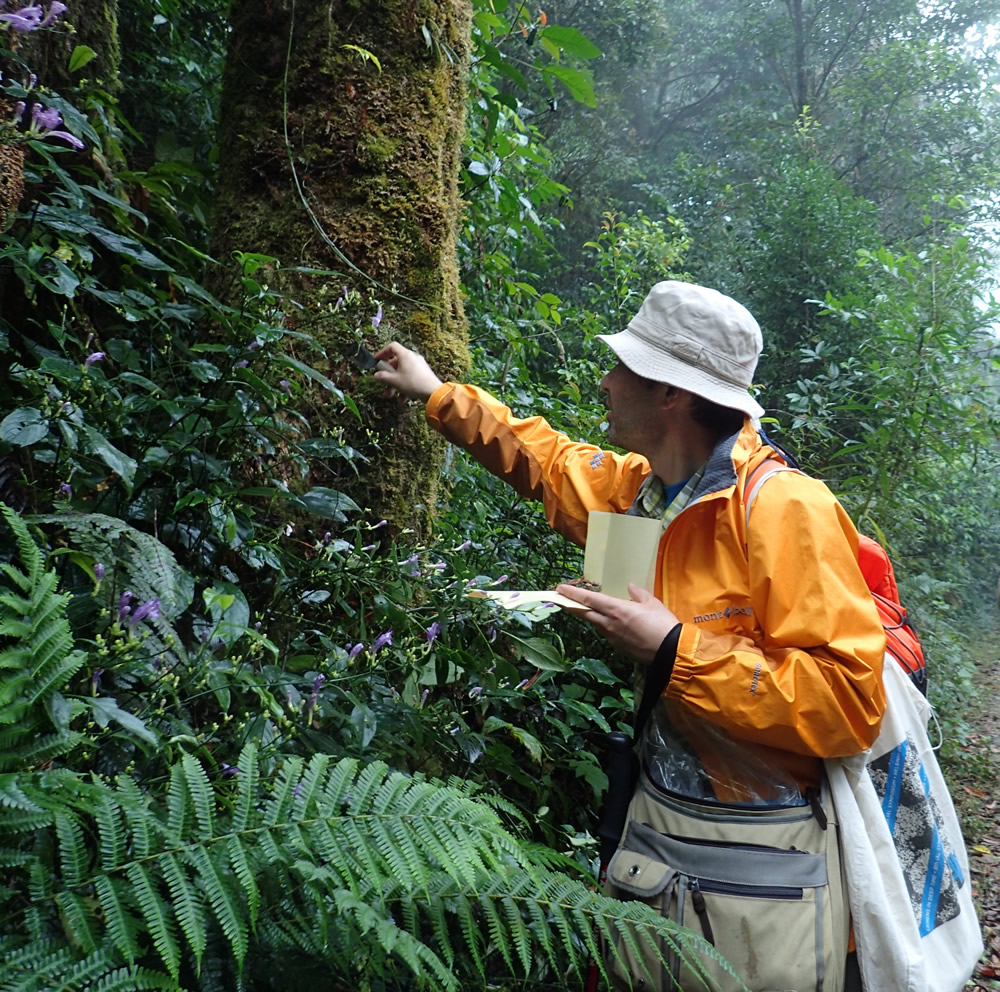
(632, 418)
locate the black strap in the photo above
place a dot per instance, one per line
(658, 675)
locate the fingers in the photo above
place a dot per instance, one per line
(407, 372)
(634, 626)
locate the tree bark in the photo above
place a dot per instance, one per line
(328, 161)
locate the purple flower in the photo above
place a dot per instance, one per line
(431, 633)
(19, 111)
(377, 319)
(297, 791)
(356, 650)
(43, 125)
(327, 537)
(55, 9)
(241, 364)
(285, 386)
(65, 489)
(424, 695)
(503, 578)
(318, 683)
(228, 771)
(369, 547)
(383, 640)
(475, 690)
(95, 679)
(97, 356)
(99, 571)
(123, 606)
(150, 609)
(522, 683)
(381, 523)
(32, 18)
(465, 544)
(26, 19)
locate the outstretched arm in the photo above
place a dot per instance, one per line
(410, 373)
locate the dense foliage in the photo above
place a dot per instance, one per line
(243, 722)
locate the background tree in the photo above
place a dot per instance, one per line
(340, 145)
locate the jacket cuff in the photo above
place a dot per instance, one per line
(432, 411)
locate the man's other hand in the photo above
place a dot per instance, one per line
(411, 376)
(635, 626)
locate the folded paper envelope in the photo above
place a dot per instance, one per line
(620, 549)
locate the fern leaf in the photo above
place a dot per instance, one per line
(310, 787)
(339, 783)
(74, 863)
(178, 809)
(187, 904)
(134, 979)
(278, 806)
(246, 876)
(76, 920)
(247, 785)
(157, 920)
(31, 555)
(201, 795)
(134, 806)
(121, 924)
(227, 911)
(108, 815)
(46, 747)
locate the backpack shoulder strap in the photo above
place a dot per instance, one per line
(757, 478)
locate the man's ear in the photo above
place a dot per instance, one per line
(672, 397)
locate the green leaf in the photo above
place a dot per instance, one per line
(116, 460)
(81, 55)
(540, 653)
(24, 426)
(571, 40)
(328, 503)
(577, 81)
(309, 372)
(105, 710)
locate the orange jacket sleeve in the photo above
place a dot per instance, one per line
(570, 478)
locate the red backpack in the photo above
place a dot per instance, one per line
(901, 640)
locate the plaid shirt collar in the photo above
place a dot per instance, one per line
(651, 501)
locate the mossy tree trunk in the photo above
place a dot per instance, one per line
(375, 150)
(93, 23)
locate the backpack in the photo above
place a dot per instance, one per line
(901, 639)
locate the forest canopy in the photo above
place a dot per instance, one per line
(254, 733)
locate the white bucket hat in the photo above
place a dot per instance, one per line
(694, 338)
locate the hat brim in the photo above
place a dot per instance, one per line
(661, 367)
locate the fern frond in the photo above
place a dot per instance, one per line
(46, 747)
(187, 904)
(246, 876)
(248, 781)
(200, 792)
(159, 923)
(122, 925)
(108, 815)
(74, 863)
(77, 920)
(133, 980)
(226, 907)
(278, 806)
(178, 807)
(30, 554)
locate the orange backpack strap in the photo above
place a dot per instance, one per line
(757, 478)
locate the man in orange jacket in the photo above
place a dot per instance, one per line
(767, 632)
